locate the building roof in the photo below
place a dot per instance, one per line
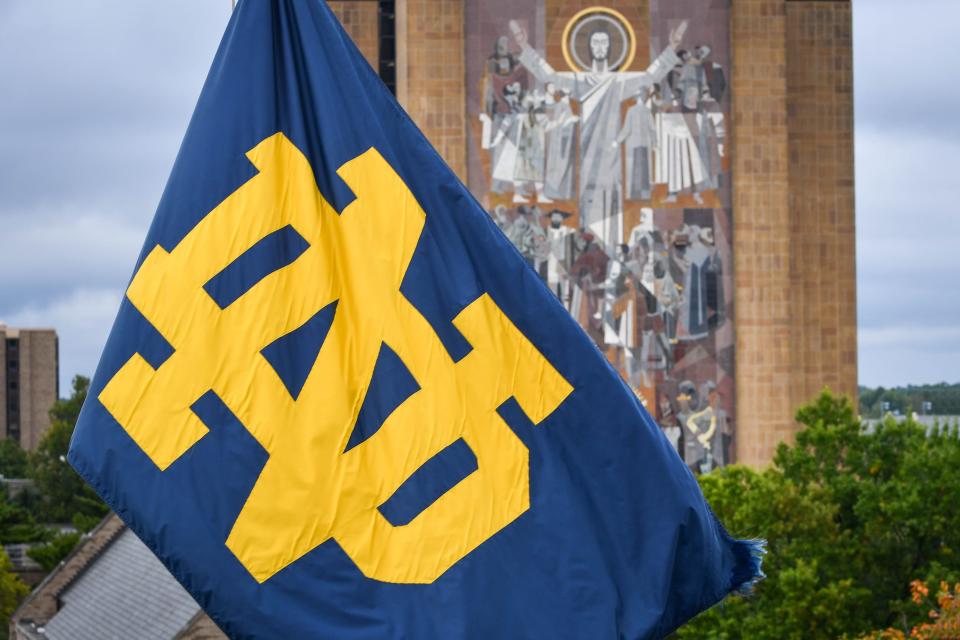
(14, 332)
(126, 593)
(111, 586)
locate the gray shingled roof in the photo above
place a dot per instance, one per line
(125, 593)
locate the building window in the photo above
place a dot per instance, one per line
(12, 360)
(388, 44)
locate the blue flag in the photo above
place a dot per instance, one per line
(337, 403)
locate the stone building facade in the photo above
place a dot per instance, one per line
(29, 383)
(726, 294)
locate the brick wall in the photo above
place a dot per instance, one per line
(794, 224)
(765, 372)
(823, 262)
(38, 383)
(430, 50)
(360, 18)
(432, 90)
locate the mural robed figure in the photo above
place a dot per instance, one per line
(600, 92)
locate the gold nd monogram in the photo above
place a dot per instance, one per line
(310, 490)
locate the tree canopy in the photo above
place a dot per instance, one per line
(852, 517)
(64, 496)
(944, 397)
(59, 496)
(12, 589)
(13, 459)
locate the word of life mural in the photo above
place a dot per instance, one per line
(597, 141)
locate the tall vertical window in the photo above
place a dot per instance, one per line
(12, 362)
(388, 44)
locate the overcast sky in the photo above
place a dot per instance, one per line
(95, 97)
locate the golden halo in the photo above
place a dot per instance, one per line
(631, 36)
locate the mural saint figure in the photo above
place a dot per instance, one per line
(560, 140)
(639, 135)
(600, 92)
(696, 259)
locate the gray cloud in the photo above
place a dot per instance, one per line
(907, 232)
(907, 225)
(96, 98)
(898, 69)
(60, 250)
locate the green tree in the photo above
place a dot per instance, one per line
(944, 397)
(851, 518)
(50, 554)
(12, 589)
(64, 496)
(18, 525)
(13, 459)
